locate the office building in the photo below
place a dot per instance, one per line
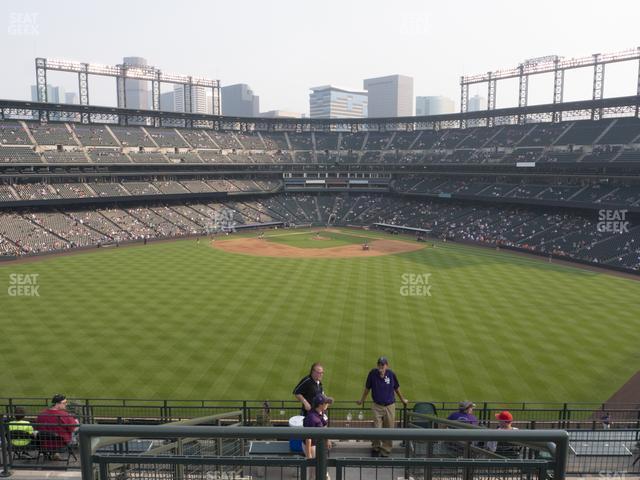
(390, 96)
(434, 105)
(137, 91)
(328, 101)
(239, 101)
(476, 103)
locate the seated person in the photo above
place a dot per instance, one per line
(59, 421)
(20, 425)
(505, 449)
(465, 413)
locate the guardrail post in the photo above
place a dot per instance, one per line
(245, 414)
(165, 411)
(179, 451)
(104, 471)
(88, 411)
(86, 464)
(404, 417)
(321, 459)
(562, 451)
(6, 472)
(467, 473)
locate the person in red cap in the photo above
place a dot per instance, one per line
(506, 419)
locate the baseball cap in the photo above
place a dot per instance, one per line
(383, 361)
(466, 404)
(504, 416)
(321, 399)
(57, 398)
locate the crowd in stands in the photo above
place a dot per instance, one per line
(573, 141)
(561, 234)
(608, 193)
(44, 191)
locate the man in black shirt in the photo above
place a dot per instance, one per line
(309, 387)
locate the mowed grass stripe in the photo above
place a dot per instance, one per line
(182, 320)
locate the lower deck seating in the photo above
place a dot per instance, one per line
(564, 233)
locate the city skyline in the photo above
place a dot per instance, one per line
(417, 44)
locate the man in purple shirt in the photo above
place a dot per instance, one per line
(384, 387)
(464, 413)
(315, 418)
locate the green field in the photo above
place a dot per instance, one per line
(183, 320)
(314, 239)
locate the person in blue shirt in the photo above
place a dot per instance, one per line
(465, 413)
(384, 387)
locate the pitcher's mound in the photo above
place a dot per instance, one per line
(253, 246)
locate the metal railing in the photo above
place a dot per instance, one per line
(203, 466)
(605, 451)
(527, 415)
(28, 445)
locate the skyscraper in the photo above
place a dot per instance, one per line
(328, 101)
(476, 103)
(71, 98)
(137, 91)
(167, 102)
(200, 101)
(390, 96)
(434, 105)
(238, 100)
(54, 94)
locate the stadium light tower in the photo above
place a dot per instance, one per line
(122, 73)
(549, 64)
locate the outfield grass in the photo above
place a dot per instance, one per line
(183, 320)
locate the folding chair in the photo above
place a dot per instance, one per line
(16, 438)
(50, 443)
(424, 408)
(509, 450)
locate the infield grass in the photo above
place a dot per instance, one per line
(184, 320)
(315, 239)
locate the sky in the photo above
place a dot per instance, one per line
(281, 48)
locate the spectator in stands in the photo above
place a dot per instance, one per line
(506, 420)
(309, 387)
(316, 418)
(58, 421)
(19, 424)
(465, 413)
(384, 386)
(606, 421)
